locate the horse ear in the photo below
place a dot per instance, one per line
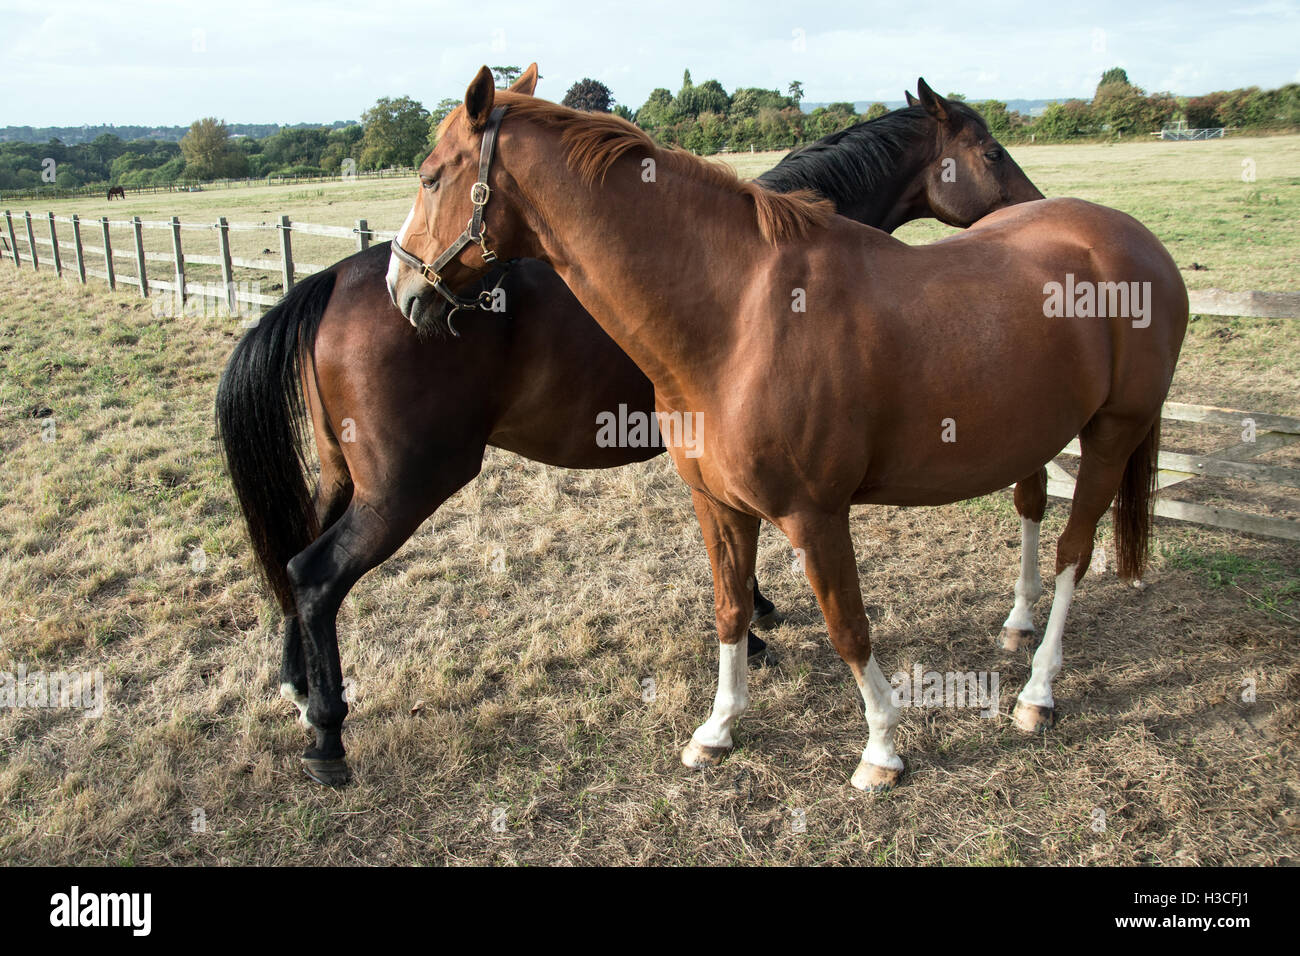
(934, 104)
(911, 100)
(479, 99)
(527, 81)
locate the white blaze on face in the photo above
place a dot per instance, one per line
(393, 264)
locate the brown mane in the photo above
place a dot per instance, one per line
(593, 142)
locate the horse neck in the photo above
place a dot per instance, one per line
(899, 196)
(902, 196)
(642, 257)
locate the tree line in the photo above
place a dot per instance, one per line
(701, 117)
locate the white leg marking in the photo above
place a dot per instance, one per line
(390, 278)
(1029, 588)
(882, 717)
(1047, 659)
(732, 697)
(289, 692)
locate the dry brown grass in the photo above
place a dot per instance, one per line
(521, 689)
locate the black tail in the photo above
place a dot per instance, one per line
(1135, 506)
(262, 424)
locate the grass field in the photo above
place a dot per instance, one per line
(519, 692)
(1242, 235)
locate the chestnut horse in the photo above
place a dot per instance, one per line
(532, 381)
(908, 375)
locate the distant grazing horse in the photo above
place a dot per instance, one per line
(532, 380)
(116, 191)
(914, 375)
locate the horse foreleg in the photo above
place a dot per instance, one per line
(833, 573)
(732, 539)
(1031, 501)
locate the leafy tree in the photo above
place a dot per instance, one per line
(1116, 75)
(505, 75)
(829, 119)
(209, 153)
(795, 90)
(444, 107)
(747, 101)
(996, 116)
(1065, 120)
(590, 95)
(396, 131)
(625, 113)
(658, 110)
(708, 97)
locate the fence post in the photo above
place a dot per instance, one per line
(139, 255)
(180, 260)
(363, 235)
(108, 255)
(31, 242)
(13, 241)
(286, 253)
(227, 272)
(76, 241)
(54, 245)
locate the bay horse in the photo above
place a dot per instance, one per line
(913, 375)
(116, 191)
(533, 381)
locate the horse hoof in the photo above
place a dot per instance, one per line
(331, 773)
(1033, 719)
(1015, 639)
(873, 778)
(758, 653)
(697, 756)
(765, 618)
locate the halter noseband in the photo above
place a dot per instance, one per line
(479, 194)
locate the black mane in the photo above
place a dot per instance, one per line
(854, 162)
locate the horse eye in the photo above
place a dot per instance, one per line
(428, 182)
(993, 155)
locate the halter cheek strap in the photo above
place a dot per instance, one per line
(479, 194)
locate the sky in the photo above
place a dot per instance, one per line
(69, 62)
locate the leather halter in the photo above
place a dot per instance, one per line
(479, 194)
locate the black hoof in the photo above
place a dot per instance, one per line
(331, 773)
(765, 617)
(759, 654)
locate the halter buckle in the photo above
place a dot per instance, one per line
(479, 189)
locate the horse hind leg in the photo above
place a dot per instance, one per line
(1031, 502)
(1107, 443)
(332, 497)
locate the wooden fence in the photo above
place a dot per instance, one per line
(1260, 433)
(1267, 432)
(40, 193)
(361, 234)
